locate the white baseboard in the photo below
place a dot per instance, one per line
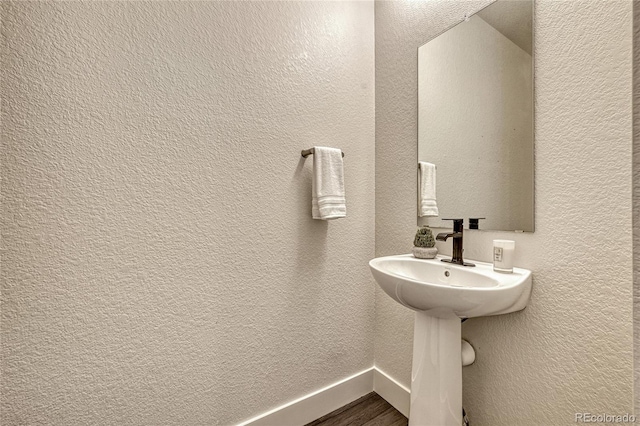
(392, 391)
(317, 404)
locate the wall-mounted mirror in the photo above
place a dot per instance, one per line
(475, 118)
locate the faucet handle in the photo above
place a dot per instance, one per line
(473, 222)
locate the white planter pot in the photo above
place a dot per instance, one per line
(425, 252)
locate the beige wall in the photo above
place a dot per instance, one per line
(636, 203)
(571, 349)
(160, 264)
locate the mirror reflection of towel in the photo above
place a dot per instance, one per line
(427, 205)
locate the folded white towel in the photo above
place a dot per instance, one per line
(328, 184)
(427, 205)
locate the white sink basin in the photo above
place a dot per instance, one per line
(435, 286)
(441, 294)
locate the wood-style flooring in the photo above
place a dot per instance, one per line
(370, 410)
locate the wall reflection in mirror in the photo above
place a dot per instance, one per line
(475, 118)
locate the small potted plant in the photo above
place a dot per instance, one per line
(424, 244)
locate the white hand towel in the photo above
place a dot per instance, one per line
(328, 184)
(427, 205)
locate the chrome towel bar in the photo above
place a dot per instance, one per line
(307, 152)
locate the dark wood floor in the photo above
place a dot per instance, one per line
(370, 410)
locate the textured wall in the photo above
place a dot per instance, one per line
(636, 203)
(160, 264)
(571, 349)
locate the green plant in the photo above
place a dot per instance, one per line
(424, 237)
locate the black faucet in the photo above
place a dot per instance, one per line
(457, 243)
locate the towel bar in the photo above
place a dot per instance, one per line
(307, 152)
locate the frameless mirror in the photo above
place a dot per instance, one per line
(475, 118)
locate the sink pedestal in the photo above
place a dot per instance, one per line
(442, 293)
(436, 374)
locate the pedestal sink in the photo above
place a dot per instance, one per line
(441, 294)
